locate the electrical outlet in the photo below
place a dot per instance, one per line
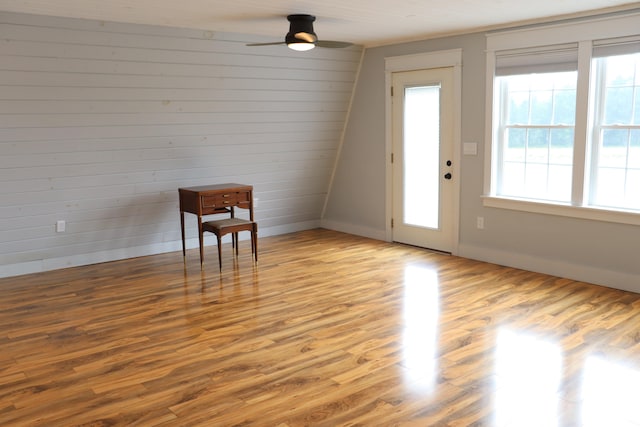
(480, 222)
(61, 225)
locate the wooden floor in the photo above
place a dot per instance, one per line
(328, 330)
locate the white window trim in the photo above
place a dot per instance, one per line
(583, 32)
(581, 212)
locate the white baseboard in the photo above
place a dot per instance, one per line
(372, 233)
(583, 273)
(39, 266)
(579, 272)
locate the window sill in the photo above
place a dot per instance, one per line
(582, 212)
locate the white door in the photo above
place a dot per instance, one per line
(422, 146)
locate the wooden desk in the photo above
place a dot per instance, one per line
(210, 200)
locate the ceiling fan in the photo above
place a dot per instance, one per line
(301, 36)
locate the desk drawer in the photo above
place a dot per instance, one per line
(221, 200)
(243, 199)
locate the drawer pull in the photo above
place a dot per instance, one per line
(225, 195)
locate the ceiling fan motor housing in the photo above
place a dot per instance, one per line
(301, 29)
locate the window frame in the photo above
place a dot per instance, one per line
(599, 127)
(503, 128)
(583, 32)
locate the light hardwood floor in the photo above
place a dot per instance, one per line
(327, 330)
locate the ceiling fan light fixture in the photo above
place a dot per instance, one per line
(301, 36)
(301, 46)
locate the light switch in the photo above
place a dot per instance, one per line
(470, 148)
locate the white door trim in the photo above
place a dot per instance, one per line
(421, 61)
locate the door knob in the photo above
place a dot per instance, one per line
(447, 175)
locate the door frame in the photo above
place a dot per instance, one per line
(439, 59)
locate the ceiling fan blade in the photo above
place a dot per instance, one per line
(306, 37)
(332, 44)
(265, 44)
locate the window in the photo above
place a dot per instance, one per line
(536, 131)
(565, 121)
(615, 163)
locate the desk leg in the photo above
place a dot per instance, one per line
(254, 236)
(184, 250)
(201, 241)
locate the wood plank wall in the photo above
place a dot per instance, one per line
(100, 123)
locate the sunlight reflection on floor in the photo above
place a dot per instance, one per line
(537, 381)
(421, 315)
(610, 394)
(528, 372)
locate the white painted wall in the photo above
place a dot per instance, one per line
(100, 123)
(588, 250)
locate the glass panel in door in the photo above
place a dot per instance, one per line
(422, 156)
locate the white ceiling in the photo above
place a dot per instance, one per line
(365, 22)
